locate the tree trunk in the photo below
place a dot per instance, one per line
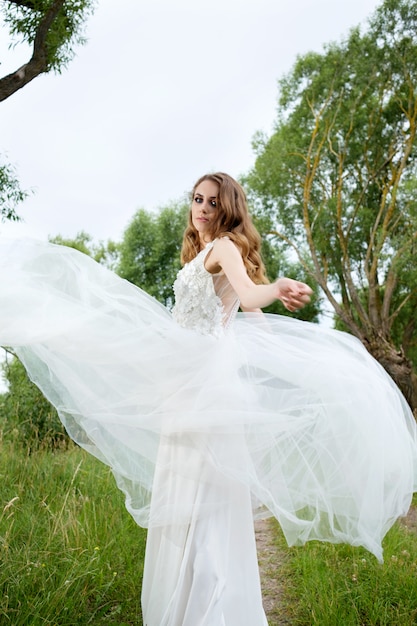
(398, 366)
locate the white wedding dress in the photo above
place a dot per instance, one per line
(209, 418)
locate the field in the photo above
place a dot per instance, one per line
(70, 553)
(71, 556)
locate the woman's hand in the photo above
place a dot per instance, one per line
(293, 294)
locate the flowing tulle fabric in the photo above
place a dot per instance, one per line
(300, 416)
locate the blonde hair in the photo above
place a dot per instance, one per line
(233, 220)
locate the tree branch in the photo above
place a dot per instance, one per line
(318, 276)
(38, 64)
(391, 283)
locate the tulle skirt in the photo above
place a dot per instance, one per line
(301, 417)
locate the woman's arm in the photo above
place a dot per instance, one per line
(225, 255)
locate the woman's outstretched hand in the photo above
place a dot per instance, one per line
(293, 294)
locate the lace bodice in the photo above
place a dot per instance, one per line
(204, 302)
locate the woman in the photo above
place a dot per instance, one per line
(209, 417)
(204, 570)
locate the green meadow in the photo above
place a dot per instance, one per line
(338, 585)
(71, 555)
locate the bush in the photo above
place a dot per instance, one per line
(28, 418)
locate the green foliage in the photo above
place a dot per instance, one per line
(52, 28)
(27, 418)
(150, 250)
(105, 253)
(338, 177)
(70, 554)
(24, 19)
(11, 193)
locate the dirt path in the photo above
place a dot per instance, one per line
(269, 559)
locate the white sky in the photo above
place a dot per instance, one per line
(162, 93)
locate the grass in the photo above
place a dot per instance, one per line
(70, 554)
(338, 585)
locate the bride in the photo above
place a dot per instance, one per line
(208, 416)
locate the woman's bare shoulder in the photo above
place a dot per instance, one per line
(224, 243)
(223, 252)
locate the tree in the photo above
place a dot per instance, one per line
(278, 264)
(105, 253)
(51, 27)
(10, 193)
(29, 419)
(150, 250)
(338, 176)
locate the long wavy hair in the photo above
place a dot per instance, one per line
(233, 220)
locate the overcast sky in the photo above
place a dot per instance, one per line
(163, 92)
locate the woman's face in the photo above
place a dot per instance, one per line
(204, 209)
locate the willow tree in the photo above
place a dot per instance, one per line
(338, 176)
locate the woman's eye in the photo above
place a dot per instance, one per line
(198, 200)
(213, 203)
